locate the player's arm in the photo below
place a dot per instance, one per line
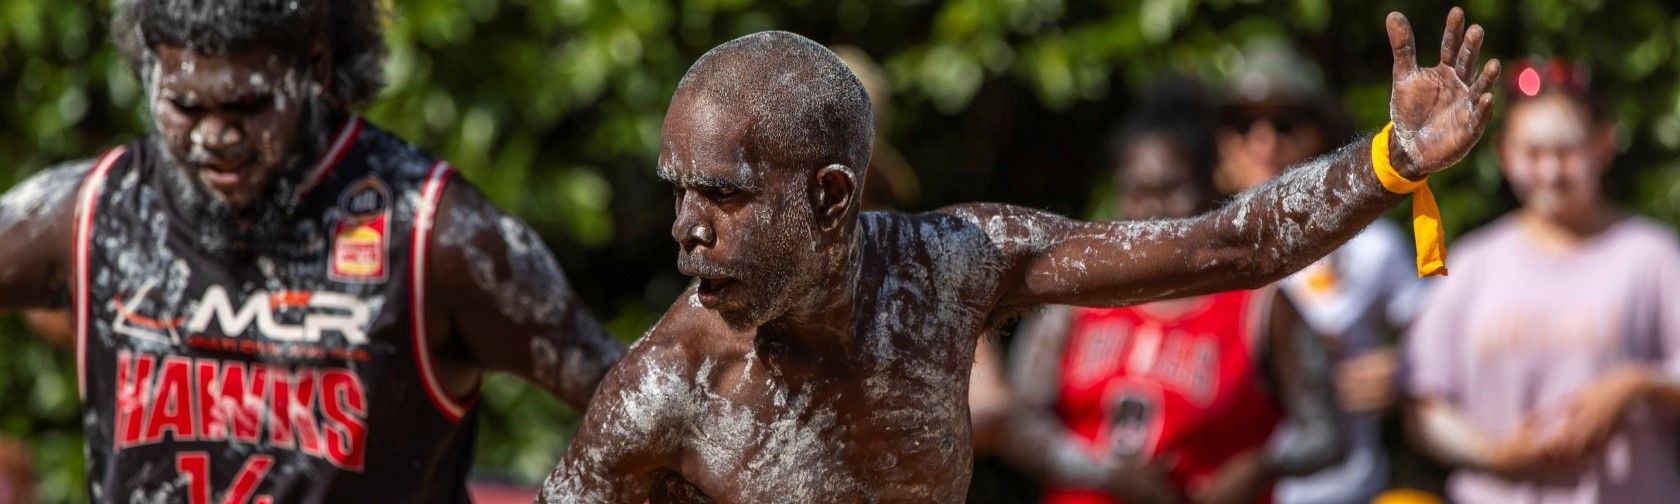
(502, 303)
(1267, 232)
(1039, 443)
(1445, 433)
(629, 434)
(1297, 368)
(37, 221)
(988, 397)
(1440, 430)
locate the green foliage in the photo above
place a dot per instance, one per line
(554, 107)
(38, 404)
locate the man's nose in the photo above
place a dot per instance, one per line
(1263, 138)
(691, 230)
(216, 133)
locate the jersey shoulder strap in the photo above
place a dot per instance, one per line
(87, 205)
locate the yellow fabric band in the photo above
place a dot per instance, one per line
(1426, 217)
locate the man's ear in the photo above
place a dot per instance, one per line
(836, 193)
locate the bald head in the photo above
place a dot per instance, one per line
(766, 145)
(800, 104)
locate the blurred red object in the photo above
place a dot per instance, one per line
(1531, 76)
(500, 493)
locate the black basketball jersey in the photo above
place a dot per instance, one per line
(291, 368)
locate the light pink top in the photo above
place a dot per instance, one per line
(1518, 329)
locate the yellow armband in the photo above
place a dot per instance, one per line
(1426, 217)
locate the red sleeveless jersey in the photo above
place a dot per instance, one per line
(1182, 389)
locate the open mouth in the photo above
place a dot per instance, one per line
(224, 180)
(712, 289)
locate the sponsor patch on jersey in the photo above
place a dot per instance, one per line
(359, 238)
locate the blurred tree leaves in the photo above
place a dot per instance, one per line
(553, 107)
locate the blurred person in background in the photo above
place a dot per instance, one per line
(17, 474)
(1547, 367)
(17, 479)
(1178, 398)
(1277, 113)
(890, 183)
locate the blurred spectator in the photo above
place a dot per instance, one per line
(1545, 367)
(1176, 398)
(52, 326)
(17, 480)
(494, 492)
(988, 397)
(890, 183)
(17, 475)
(1277, 114)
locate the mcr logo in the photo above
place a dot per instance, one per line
(283, 316)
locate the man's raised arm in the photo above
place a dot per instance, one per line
(1438, 113)
(37, 218)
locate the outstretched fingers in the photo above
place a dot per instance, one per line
(1467, 55)
(1484, 82)
(1405, 48)
(1454, 36)
(1483, 111)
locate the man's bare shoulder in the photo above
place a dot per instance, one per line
(691, 333)
(46, 191)
(41, 210)
(943, 238)
(1011, 228)
(655, 385)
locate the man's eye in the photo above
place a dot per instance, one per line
(186, 107)
(249, 106)
(721, 195)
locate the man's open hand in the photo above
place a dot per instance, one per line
(1438, 112)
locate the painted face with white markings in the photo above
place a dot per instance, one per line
(766, 141)
(231, 121)
(744, 225)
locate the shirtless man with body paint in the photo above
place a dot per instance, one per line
(248, 282)
(823, 355)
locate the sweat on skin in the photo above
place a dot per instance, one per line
(836, 368)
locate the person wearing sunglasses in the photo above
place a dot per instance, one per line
(1277, 113)
(1547, 367)
(1183, 398)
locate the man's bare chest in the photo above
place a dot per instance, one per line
(759, 435)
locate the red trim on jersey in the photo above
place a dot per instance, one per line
(142, 320)
(424, 215)
(347, 135)
(86, 203)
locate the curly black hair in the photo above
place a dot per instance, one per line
(351, 28)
